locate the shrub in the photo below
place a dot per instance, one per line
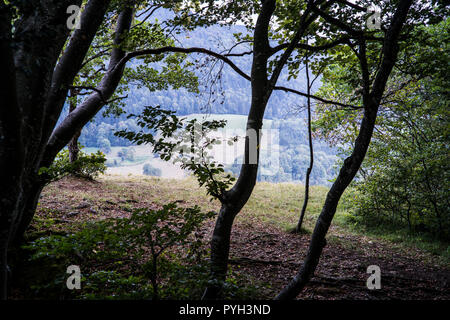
(134, 250)
(149, 170)
(87, 166)
(126, 154)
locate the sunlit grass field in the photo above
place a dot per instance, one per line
(277, 205)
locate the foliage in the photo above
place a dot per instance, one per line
(157, 72)
(404, 178)
(186, 142)
(126, 154)
(87, 166)
(135, 248)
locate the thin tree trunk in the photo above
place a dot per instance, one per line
(371, 101)
(73, 147)
(262, 87)
(235, 199)
(311, 153)
(155, 276)
(220, 249)
(346, 175)
(73, 144)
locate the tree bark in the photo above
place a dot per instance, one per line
(74, 150)
(78, 118)
(352, 164)
(235, 199)
(311, 152)
(262, 87)
(32, 73)
(73, 147)
(346, 175)
(70, 128)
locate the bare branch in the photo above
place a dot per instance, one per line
(281, 88)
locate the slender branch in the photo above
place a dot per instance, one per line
(308, 47)
(317, 98)
(90, 88)
(98, 55)
(167, 49)
(353, 5)
(337, 22)
(238, 54)
(304, 23)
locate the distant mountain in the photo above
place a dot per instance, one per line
(232, 95)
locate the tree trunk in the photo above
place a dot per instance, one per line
(234, 199)
(34, 92)
(73, 144)
(220, 249)
(26, 211)
(311, 152)
(73, 147)
(371, 101)
(346, 175)
(262, 87)
(9, 211)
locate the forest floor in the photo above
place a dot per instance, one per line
(262, 249)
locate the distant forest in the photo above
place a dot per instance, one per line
(230, 95)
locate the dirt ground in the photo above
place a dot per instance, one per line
(273, 256)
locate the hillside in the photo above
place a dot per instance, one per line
(231, 100)
(284, 158)
(264, 255)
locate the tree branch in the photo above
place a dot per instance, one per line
(79, 117)
(316, 98)
(71, 61)
(308, 47)
(337, 22)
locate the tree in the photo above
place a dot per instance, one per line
(35, 92)
(151, 171)
(311, 151)
(172, 71)
(126, 154)
(41, 59)
(340, 40)
(375, 61)
(402, 181)
(339, 36)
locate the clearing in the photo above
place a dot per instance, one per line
(262, 248)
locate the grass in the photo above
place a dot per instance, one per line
(272, 207)
(400, 238)
(278, 205)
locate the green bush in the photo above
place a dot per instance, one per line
(127, 253)
(149, 170)
(127, 154)
(87, 166)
